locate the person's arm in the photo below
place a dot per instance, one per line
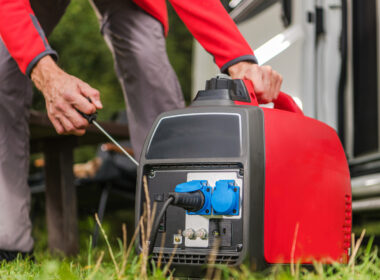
(27, 44)
(211, 25)
(64, 95)
(22, 34)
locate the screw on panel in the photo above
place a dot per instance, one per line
(152, 174)
(239, 247)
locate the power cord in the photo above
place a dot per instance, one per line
(157, 222)
(190, 201)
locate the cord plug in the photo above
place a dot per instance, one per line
(190, 201)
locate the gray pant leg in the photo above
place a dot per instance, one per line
(149, 82)
(16, 98)
(15, 101)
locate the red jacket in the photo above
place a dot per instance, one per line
(207, 20)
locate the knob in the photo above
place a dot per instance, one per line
(201, 233)
(189, 233)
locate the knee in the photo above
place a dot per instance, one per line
(142, 59)
(134, 49)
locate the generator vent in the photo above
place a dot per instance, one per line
(347, 224)
(195, 259)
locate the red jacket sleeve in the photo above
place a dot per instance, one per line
(214, 29)
(22, 34)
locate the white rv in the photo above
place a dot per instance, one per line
(328, 54)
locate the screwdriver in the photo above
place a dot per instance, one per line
(92, 120)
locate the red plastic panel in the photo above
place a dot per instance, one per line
(307, 191)
(283, 102)
(286, 102)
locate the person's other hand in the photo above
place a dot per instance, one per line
(266, 81)
(64, 95)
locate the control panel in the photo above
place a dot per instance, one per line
(225, 197)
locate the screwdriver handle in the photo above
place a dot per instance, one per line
(89, 118)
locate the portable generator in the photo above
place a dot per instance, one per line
(267, 185)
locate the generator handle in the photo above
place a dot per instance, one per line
(286, 102)
(283, 102)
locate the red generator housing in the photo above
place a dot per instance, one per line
(292, 200)
(307, 212)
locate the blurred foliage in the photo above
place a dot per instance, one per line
(84, 54)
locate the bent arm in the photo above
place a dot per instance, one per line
(22, 34)
(27, 44)
(214, 29)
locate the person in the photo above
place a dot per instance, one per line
(135, 33)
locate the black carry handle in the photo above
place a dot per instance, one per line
(89, 118)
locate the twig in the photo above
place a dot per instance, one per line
(218, 274)
(107, 242)
(148, 210)
(97, 265)
(124, 228)
(212, 258)
(161, 250)
(167, 266)
(130, 248)
(146, 232)
(144, 257)
(133, 239)
(292, 269)
(319, 268)
(150, 224)
(356, 248)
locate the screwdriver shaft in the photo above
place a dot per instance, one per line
(114, 141)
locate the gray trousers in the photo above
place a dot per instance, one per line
(148, 81)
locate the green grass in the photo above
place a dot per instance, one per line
(113, 259)
(117, 261)
(93, 265)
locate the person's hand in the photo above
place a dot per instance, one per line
(64, 95)
(266, 81)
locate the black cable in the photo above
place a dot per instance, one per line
(157, 224)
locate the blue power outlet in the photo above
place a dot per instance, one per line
(225, 198)
(193, 186)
